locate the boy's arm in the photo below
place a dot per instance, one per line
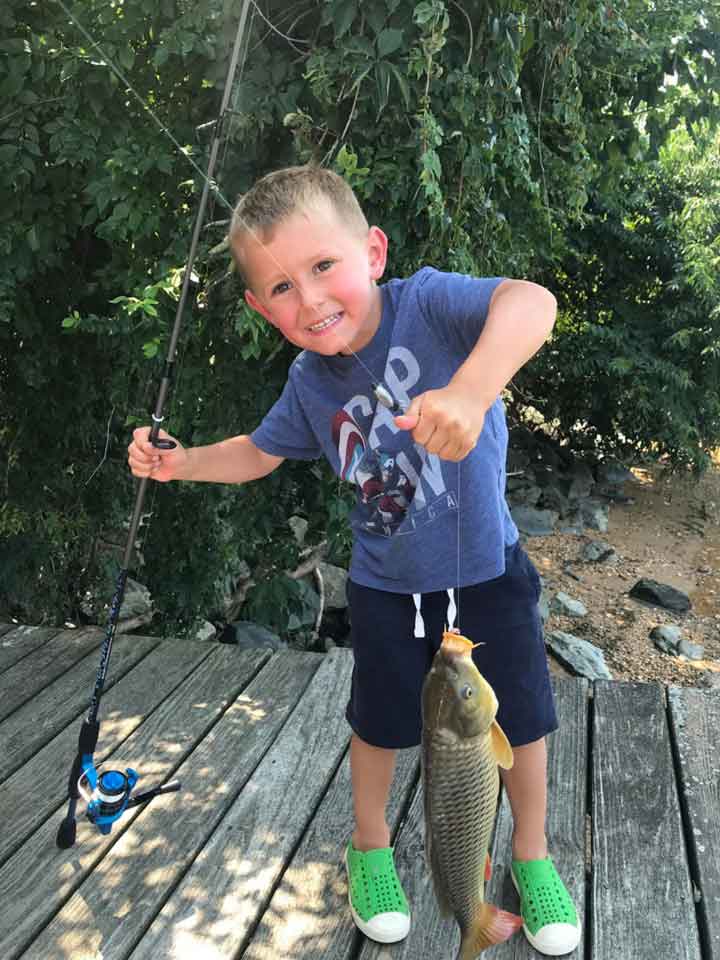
(235, 460)
(520, 317)
(449, 421)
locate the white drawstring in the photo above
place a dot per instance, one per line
(451, 610)
(419, 622)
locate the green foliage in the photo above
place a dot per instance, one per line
(529, 139)
(635, 365)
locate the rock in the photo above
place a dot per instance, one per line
(580, 656)
(693, 651)
(568, 607)
(544, 606)
(666, 637)
(568, 571)
(335, 584)
(250, 635)
(597, 551)
(581, 481)
(554, 499)
(137, 601)
(660, 595)
(522, 493)
(572, 523)
(203, 630)
(613, 473)
(594, 514)
(534, 523)
(310, 606)
(299, 527)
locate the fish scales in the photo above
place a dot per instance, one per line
(462, 787)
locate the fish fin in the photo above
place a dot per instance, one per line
(488, 868)
(500, 745)
(489, 927)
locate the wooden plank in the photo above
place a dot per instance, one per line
(695, 719)
(308, 915)
(641, 891)
(432, 935)
(218, 902)
(123, 709)
(568, 755)
(154, 847)
(18, 642)
(39, 668)
(38, 721)
(42, 876)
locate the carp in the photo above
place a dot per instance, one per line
(462, 746)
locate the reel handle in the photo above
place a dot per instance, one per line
(170, 787)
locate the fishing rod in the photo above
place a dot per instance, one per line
(109, 793)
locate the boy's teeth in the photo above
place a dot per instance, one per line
(325, 323)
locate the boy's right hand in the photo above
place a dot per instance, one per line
(145, 460)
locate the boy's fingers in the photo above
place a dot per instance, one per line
(407, 421)
(411, 418)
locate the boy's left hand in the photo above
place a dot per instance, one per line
(447, 422)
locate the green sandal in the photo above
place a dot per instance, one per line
(550, 921)
(377, 901)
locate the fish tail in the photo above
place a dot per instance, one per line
(491, 925)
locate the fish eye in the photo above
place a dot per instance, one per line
(466, 692)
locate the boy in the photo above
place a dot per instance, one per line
(431, 513)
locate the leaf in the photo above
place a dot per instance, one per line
(126, 55)
(345, 14)
(389, 41)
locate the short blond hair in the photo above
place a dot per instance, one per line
(278, 195)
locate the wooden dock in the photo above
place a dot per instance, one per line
(245, 860)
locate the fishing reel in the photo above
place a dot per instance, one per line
(108, 793)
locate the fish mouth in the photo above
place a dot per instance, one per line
(455, 645)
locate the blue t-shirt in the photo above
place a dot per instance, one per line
(411, 506)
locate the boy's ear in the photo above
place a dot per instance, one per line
(253, 302)
(377, 252)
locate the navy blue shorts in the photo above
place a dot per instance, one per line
(391, 662)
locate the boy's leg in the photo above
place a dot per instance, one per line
(384, 714)
(372, 771)
(526, 785)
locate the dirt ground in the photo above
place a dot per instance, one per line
(669, 531)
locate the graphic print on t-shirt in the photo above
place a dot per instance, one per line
(382, 486)
(396, 486)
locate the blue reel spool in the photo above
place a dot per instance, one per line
(109, 796)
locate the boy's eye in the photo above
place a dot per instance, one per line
(280, 287)
(323, 265)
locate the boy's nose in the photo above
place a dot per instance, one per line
(310, 298)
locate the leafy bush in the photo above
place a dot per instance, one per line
(484, 138)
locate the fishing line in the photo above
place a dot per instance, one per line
(123, 79)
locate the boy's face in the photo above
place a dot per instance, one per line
(314, 280)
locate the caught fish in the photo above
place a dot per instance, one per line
(462, 746)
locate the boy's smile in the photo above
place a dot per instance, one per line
(314, 278)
